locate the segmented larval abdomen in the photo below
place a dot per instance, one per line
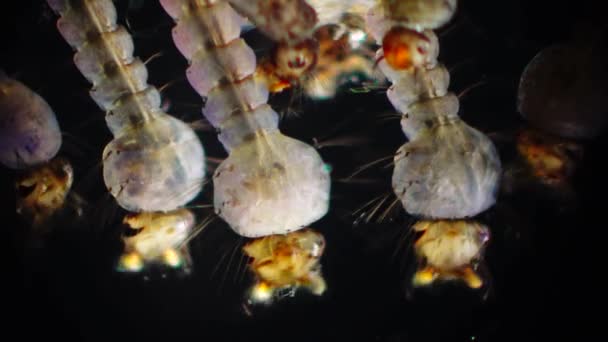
(271, 184)
(157, 167)
(155, 162)
(29, 131)
(449, 171)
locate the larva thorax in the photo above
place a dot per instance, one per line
(270, 183)
(155, 162)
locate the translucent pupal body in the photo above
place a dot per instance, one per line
(450, 250)
(270, 183)
(159, 238)
(155, 162)
(447, 169)
(286, 261)
(29, 131)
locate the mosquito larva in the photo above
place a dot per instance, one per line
(270, 183)
(447, 170)
(155, 162)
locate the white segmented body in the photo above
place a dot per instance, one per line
(155, 162)
(447, 169)
(270, 183)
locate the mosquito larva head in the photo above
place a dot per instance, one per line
(156, 167)
(41, 191)
(155, 237)
(286, 261)
(448, 250)
(292, 62)
(404, 48)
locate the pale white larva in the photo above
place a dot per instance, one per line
(155, 162)
(270, 183)
(447, 169)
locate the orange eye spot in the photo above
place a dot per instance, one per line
(399, 57)
(402, 48)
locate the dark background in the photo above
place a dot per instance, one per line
(544, 263)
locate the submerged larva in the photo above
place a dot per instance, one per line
(448, 171)
(270, 183)
(155, 162)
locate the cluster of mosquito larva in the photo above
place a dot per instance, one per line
(270, 183)
(155, 162)
(447, 170)
(271, 186)
(30, 138)
(284, 263)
